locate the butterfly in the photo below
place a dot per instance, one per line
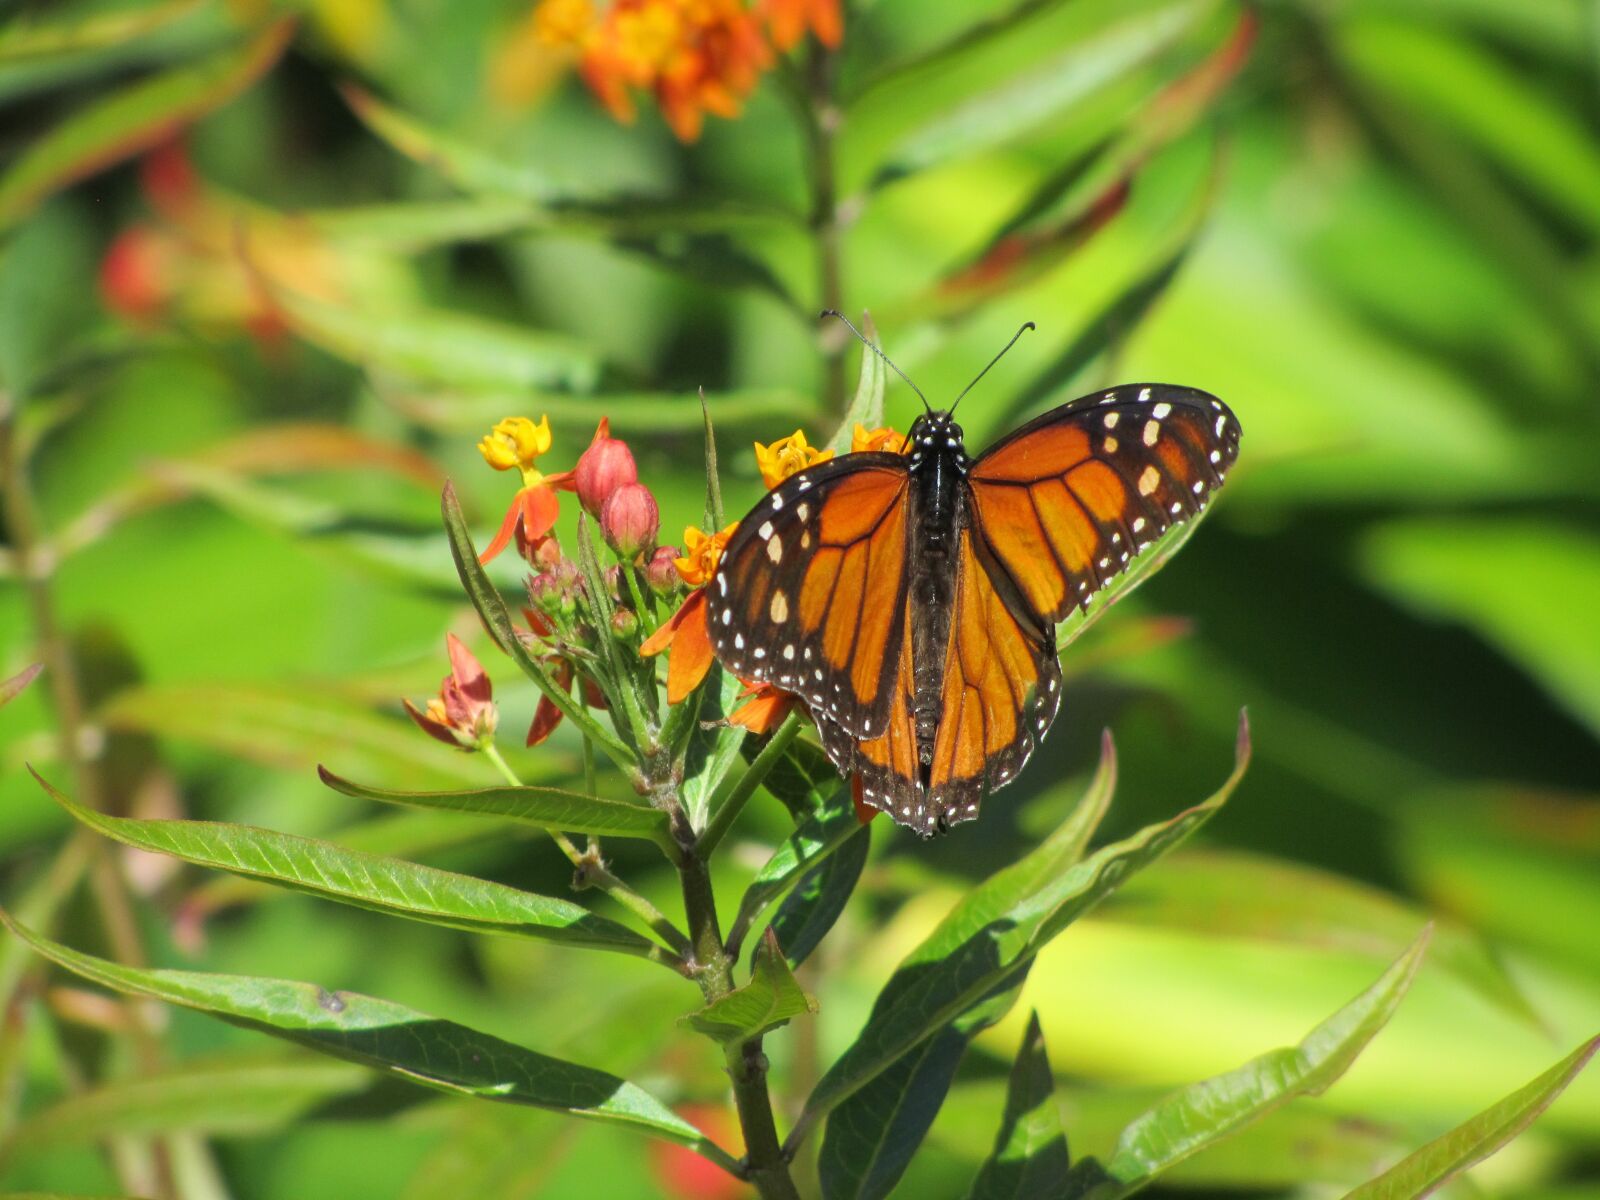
(911, 600)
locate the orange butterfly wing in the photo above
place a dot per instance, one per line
(810, 593)
(1067, 501)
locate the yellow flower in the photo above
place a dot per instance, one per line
(786, 457)
(700, 554)
(884, 439)
(564, 22)
(516, 442)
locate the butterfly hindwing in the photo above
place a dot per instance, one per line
(809, 594)
(1069, 499)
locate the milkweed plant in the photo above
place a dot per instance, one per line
(577, 592)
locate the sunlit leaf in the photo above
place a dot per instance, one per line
(239, 1094)
(771, 998)
(133, 120)
(995, 931)
(388, 1037)
(817, 837)
(1026, 101)
(1442, 1159)
(713, 749)
(1206, 1112)
(548, 808)
(1030, 1158)
(442, 345)
(27, 39)
(387, 885)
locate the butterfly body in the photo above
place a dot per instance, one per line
(911, 600)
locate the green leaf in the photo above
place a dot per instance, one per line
(239, 1094)
(27, 39)
(1031, 99)
(441, 345)
(1030, 1158)
(817, 837)
(873, 1135)
(714, 744)
(771, 998)
(287, 727)
(866, 406)
(994, 932)
(1441, 1160)
(11, 688)
(132, 120)
(968, 39)
(388, 1037)
(386, 885)
(1207, 1112)
(713, 513)
(497, 622)
(808, 912)
(548, 808)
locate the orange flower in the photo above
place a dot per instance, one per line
(685, 632)
(787, 21)
(786, 457)
(884, 439)
(764, 709)
(701, 552)
(514, 444)
(695, 56)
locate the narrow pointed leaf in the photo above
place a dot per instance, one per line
(131, 121)
(1030, 1158)
(713, 514)
(548, 808)
(11, 688)
(873, 1136)
(1441, 1160)
(807, 847)
(388, 1037)
(771, 998)
(388, 885)
(28, 39)
(809, 911)
(713, 748)
(866, 406)
(1207, 1112)
(993, 933)
(1027, 101)
(231, 1096)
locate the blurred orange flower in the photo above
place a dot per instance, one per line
(694, 56)
(787, 456)
(884, 439)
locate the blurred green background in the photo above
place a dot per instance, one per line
(268, 273)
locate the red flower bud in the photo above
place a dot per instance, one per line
(544, 553)
(630, 520)
(661, 572)
(603, 468)
(545, 593)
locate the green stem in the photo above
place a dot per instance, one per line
(739, 791)
(591, 871)
(820, 118)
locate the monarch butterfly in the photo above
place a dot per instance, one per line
(912, 599)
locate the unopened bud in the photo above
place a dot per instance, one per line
(661, 572)
(630, 520)
(603, 468)
(544, 593)
(624, 624)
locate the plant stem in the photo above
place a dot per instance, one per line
(35, 562)
(820, 116)
(764, 1165)
(591, 871)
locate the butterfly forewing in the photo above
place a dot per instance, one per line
(810, 593)
(1070, 499)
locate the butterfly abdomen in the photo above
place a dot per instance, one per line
(937, 510)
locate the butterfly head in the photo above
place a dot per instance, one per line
(935, 434)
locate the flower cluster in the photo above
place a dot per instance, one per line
(694, 56)
(575, 614)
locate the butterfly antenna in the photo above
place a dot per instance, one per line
(1026, 325)
(871, 345)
